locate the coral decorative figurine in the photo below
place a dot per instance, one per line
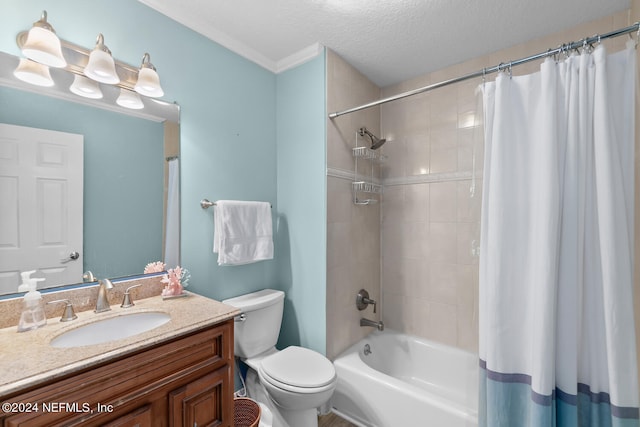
(175, 280)
(154, 267)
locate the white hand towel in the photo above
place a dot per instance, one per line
(243, 232)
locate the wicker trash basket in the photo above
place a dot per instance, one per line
(246, 412)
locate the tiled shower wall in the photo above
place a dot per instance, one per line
(429, 219)
(353, 232)
(413, 250)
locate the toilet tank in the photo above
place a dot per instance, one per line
(259, 330)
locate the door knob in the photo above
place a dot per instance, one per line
(72, 257)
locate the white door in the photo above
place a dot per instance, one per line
(41, 188)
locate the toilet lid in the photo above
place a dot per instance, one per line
(299, 367)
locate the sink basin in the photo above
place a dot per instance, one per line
(111, 329)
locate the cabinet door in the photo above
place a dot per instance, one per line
(141, 417)
(203, 402)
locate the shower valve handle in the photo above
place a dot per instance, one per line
(370, 301)
(363, 300)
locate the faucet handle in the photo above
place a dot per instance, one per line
(68, 313)
(363, 300)
(370, 301)
(126, 300)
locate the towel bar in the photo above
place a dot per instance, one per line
(206, 204)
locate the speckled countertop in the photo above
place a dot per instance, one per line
(27, 359)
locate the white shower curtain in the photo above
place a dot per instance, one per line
(172, 226)
(557, 339)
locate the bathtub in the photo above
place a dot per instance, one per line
(406, 381)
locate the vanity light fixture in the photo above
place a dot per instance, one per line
(85, 87)
(129, 99)
(34, 73)
(101, 66)
(89, 67)
(43, 45)
(148, 83)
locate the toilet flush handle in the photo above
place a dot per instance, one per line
(240, 318)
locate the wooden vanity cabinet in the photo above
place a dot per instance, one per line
(187, 381)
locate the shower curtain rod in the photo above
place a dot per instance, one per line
(500, 67)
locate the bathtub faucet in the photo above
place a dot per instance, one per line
(367, 322)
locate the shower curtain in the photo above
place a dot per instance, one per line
(557, 339)
(172, 226)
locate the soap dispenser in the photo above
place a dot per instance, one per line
(32, 316)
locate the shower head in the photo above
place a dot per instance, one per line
(375, 141)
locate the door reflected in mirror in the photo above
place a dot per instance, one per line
(123, 190)
(41, 180)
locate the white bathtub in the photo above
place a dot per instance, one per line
(406, 381)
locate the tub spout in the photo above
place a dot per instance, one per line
(367, 322)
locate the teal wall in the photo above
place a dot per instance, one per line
(302, 202)
(236, 143)
(123, 178)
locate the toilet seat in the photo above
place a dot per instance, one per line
(298, 369)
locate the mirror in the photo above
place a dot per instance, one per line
(126, 155)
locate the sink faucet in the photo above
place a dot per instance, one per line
(88, 277)
(367, 322)
(102, 303)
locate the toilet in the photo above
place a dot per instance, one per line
(292, 382)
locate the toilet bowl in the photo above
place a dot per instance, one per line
(292, 382)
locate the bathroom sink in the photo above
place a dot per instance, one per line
(111, 329)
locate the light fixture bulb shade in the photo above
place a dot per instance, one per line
(42, 44)
(101, 67)
(85, 87)
(148, 83)
(33, 73)
(130, 100)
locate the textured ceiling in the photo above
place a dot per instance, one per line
(387, 40)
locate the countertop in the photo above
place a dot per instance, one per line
(27, 359)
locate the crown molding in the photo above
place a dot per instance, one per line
(300, 57)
